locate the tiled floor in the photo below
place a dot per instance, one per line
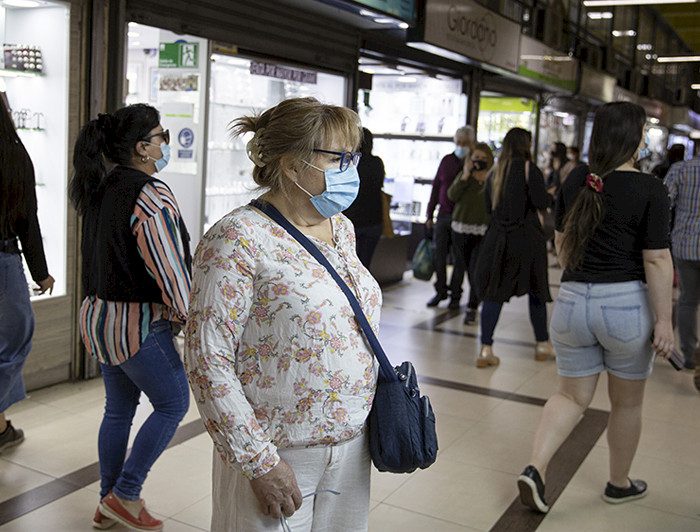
(484, 443)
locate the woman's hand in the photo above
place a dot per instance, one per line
(663, 339)
(277, 491)
(46, 284)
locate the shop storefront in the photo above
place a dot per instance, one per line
(40, 74)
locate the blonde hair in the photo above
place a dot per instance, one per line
(293, 129)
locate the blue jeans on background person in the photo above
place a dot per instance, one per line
(157, 371)
(491, 311)
(366, 240)
(687, 309)
(16, 329)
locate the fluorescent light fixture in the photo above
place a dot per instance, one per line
(624, 33)
(560, 58)
(403, 25)
(695, 86)
(406, 79)
(133, 25)
(367, 13)
(679, 59)
(21, 3)
(597, 15)
(602, 3)
(384, 20)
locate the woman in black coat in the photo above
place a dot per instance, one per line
(513, 261)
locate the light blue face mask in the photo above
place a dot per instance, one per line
(643, 153)
(163, 161)
(341, 190)
(460, 151)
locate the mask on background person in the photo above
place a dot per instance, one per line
(165, 159)
(479, 165)
(460, 151)
(341, 190)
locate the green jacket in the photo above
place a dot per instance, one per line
(468, 196)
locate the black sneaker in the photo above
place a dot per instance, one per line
(615, 495)
(436, 299)
(10, 437)
(454, 304)
(532, 489)
(469, 316)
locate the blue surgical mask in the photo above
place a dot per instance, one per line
(643, 153)
(341, 190)
(460, 151)
(165, 159)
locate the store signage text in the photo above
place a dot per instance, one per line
(539, 61)
(280, 72)
(473, 31)
(178, 55)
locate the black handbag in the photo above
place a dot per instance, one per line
(402, 436)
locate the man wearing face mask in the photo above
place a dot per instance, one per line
(450, 166)
(282, 375)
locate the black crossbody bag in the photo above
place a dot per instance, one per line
(401, 426)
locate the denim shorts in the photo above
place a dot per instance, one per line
(603, 326)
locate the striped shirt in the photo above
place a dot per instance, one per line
(683, 183)
(113, 331)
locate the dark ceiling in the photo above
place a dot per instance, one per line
(685, 20)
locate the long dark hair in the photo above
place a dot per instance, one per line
(516, 145)
(17, 195)
(111, 137)
(617, 131)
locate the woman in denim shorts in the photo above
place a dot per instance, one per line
(614, 306)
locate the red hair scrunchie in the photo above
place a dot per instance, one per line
(595, 182)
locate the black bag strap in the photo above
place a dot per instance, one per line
(385, 367)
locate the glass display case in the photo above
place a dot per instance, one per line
(555, 126)
(34, 76)
(413, 118)
(499, 114)
(240, 87)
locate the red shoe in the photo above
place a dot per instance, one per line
(112, 508)
(102, 522)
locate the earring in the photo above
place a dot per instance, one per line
(144, 159)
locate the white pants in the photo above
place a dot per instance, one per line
(344, 468)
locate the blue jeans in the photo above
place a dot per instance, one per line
(157, 371)
(16, 329)
(687, 310)
(603, 326)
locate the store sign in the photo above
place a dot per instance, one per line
(539, 61)
(597, 85)
(465, 27)
(275, 71)
(178, 55)
(403, 9)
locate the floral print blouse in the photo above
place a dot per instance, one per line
(273, 352)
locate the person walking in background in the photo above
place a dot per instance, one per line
(365, 213)
(561, 167)
(574, 155)
(675, 154)
(18, 224)
(281, 372)
(450, 166)
(469, 217)
(135, 254)
(612, 236)
(513, 256)
(683, 183)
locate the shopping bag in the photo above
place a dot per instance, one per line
(422, 262)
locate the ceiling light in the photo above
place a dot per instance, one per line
(527, 57)
(679, 59)
(654, 120)
(624, 33)
(133, 34)
(644, 47)
(21, 3)
(367, 13)
(597, 15)
(601, 3)
(695, 86)
(403, 25)
(383, 20)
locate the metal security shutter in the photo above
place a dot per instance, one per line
(257, 26)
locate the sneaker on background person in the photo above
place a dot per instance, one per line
(10, 437)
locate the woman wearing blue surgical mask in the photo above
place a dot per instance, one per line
(279, 368)
(135, 257)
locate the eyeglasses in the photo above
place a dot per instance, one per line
(346, 157)
(165, 134)
(283, 519)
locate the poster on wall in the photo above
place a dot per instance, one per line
(178, 117)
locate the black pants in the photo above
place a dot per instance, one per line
(467, 247)
(442, 245)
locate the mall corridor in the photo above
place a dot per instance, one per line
(486, 421)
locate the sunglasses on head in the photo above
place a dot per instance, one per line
(165, 134)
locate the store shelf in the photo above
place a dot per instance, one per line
(31, 129)
(9, 73)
